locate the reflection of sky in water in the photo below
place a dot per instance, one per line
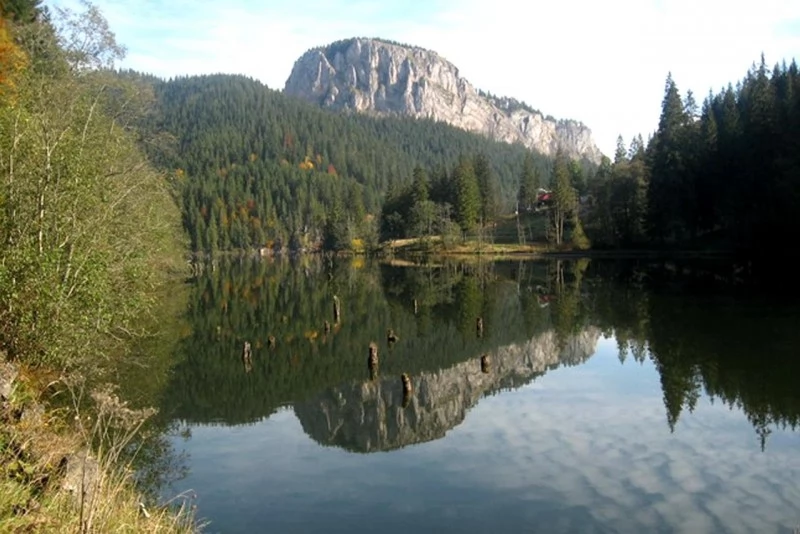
(582, 449)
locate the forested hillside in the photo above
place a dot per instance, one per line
(724, 174)
(262, 169)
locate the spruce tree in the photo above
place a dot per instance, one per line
(529, 184)
(488, 188)
(468, 201)
(664, 193)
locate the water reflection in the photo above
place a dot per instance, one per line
(381, 415)
(307, 330)
(594, 397)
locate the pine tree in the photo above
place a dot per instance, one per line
(621, 154)
(468, 201)
(529, 184)
(668, 167)
(564, 197)
(420, 187)
(488, 188)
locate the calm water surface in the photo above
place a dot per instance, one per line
(616, 398)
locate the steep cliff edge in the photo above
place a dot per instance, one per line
(370, 417)
(385, 78)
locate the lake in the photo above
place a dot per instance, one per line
(594, 396)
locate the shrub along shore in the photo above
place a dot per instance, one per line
(89, 233)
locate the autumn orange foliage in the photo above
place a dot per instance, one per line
(12, 61)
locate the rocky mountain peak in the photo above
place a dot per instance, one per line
(388, 78)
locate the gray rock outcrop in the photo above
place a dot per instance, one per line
(380, 77)
(8, 375)
(370, 417)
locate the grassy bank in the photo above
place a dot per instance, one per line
(66, 463)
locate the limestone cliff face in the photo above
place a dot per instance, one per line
(370, 417)
(374, 76)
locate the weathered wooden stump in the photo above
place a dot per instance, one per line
(247, 357)
(407, 387)
(337, 310)
(485, 363)
(372, 360)
(391, 337)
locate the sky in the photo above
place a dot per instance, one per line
(602, 63)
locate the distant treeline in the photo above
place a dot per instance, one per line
(724, 174)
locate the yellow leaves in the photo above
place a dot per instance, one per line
(306, 164)
(357, 245)
(357, 262)
(12, 62)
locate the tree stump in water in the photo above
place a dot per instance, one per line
(247, 357)
(407, 389)
(337, 309)
(372, 360)
(406, 382)
(391, 337)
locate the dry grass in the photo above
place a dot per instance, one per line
(46, 486)
(435, 247)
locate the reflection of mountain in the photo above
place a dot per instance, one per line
(369, 416)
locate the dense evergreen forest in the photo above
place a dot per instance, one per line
(260, 169)
(724, 174)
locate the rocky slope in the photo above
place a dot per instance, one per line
(371, 417)
(375, 76)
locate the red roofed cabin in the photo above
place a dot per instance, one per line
(544, 198)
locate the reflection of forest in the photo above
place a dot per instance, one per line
(702, 332)
(375, 415)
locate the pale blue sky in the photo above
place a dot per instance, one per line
(603, 63)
